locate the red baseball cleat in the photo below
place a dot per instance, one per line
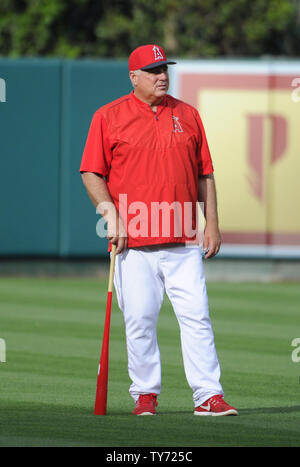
(215, 406)
(146, 405)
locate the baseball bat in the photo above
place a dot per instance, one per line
(102, 379)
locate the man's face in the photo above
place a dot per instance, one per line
(151, 85)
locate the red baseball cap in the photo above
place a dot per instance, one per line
(146, 57)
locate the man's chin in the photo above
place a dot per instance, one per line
(161, 92)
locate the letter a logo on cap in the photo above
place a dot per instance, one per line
(157, 53)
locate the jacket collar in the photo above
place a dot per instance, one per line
(147, 107)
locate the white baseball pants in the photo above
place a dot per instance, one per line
(142, 275)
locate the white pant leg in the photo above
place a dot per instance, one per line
(186, 288)
(140, 293)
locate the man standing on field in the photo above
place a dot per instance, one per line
(151, 149)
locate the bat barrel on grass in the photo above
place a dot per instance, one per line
(102, 379)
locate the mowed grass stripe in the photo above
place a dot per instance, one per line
(53, 301)
(51, 321)
(267, 329)
(256, 289)
(59, 346)
(48, 383)
(256, 309)
(116, 429)
(243, 361)
(49, 327)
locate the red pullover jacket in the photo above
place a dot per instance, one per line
(151, 162)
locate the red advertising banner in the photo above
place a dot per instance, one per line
(251, 113)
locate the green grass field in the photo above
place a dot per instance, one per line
(53, 333)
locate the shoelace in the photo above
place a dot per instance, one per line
(216, 400)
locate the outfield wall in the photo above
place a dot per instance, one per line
(44, 123)
(251, 112)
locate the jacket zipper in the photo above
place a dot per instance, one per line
(157, 129)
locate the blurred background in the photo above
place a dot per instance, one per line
(238, 63)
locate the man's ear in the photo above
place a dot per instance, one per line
(133, 75)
